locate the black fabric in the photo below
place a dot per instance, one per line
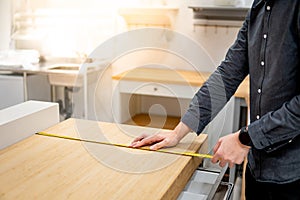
(255, 190)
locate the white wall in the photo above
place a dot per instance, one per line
(215, 41)
(5, 23)
(96, 21)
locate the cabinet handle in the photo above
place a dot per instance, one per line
(155, 89)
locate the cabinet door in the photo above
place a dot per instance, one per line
(11, 90)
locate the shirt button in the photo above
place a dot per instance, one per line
(259, 91)
(257, 116)
(262, 63)
(265, 36)
(268, 7)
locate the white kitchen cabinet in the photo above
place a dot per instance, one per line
(168, 93)
(12, 89)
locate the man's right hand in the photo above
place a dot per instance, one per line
(157, 141)
(162, 139)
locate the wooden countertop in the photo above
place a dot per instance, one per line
(181, 77)
(41, 167)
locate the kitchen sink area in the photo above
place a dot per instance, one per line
(74, 81)
(64, 78)
(68, 75)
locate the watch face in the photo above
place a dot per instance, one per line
(244, 137)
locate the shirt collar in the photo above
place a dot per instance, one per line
(259, 2)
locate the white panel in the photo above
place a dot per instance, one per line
(23, 120)
(11, 90)
(158, 89)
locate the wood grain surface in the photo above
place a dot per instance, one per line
(41, 167)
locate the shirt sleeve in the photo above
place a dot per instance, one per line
(221, 85)
(277, 128)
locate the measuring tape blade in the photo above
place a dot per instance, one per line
(124, 145)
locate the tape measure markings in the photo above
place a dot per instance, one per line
(124, 146)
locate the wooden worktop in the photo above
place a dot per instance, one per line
(41, 167)
(181, 77)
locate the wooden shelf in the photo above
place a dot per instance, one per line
(166, 76)
(155, 121)
(178, 77)
(149, 16)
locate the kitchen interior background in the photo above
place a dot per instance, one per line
(74, 28)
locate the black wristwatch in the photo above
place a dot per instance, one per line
(244, 136)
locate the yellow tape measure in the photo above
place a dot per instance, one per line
(125, 146)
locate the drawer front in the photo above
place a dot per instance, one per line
(157, 89)
(200, 185)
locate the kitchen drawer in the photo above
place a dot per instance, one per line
(205, 176)
(199, 187)
(157, 89)
(191, 196)
(204, 185)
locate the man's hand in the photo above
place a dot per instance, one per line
(163, 138)
(159, 140)
(230, 150)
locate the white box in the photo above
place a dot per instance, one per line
(25, 119)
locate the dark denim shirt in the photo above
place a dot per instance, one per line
(266, 48)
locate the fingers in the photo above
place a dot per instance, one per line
(231, 165)
(159, 145)
(216, 147)
(158, 140)
(138, 139)
(222, 162)
(216, 157)
(143, 141)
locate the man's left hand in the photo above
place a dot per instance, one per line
(230, 150)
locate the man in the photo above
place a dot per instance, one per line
(266, 48)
